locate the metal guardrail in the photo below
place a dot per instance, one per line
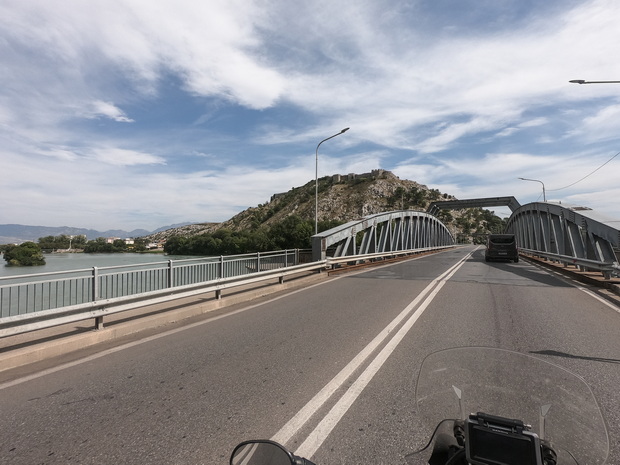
(259, 268)
(607, 269)
(35, 293)
(97, 310)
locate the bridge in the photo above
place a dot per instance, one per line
(566, 234)
(328, 370)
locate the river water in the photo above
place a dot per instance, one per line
(80, 261)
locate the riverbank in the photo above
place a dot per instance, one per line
(78, 261)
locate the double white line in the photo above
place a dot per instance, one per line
(327, 424)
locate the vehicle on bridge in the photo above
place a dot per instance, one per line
(501, 246)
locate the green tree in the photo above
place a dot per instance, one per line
(101, 245)
(62, 242)
(398, 199)
(119, 245)
(176, 245)
(445, 216)
(139, 244)
(434, 194)
(47, 242)
(328, 224)
(79, 241)
(26, 254)
(261, 241)
(292, 233)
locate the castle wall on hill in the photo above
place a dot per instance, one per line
(374, 174)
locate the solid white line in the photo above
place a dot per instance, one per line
(573, 282)
(324, 428)
(295, 423)
(599, 298)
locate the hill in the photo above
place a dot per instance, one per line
(345, 198)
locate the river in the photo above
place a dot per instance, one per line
(79, 261)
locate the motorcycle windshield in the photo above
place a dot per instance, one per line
(559, 405)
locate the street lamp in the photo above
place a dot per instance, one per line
(536, 180)
(583, 81)
(316, 182)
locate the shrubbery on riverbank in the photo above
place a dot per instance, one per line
(291, 233)
(26, 254)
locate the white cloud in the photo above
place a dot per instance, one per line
(123, 157)
(605, 124)
(497, 175)
(108, 110)
(60, 153)
(509, 131)
(409, 78)
(344, 58)
(492, 78)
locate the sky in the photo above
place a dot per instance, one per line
(125, 114)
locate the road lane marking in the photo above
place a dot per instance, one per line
(317, 437)
(599, 298)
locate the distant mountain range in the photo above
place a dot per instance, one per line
(17, 233)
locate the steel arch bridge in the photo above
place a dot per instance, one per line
(383, 233)
(564, 233)
(569, 234)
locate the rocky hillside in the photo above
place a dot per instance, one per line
(184, 231)
(343, 198)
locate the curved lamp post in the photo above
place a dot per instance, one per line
(536, 180)
(316, 182)
(583, 81)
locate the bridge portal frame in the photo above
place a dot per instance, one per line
(511, 202)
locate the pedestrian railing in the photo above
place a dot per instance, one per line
(26, 294)
(38, 301)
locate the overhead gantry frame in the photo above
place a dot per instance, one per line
(511, 202)
(382, 233)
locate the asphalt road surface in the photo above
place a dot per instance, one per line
(329, 370)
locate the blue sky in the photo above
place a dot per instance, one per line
(144, 113)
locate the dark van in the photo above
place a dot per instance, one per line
(501, 246)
